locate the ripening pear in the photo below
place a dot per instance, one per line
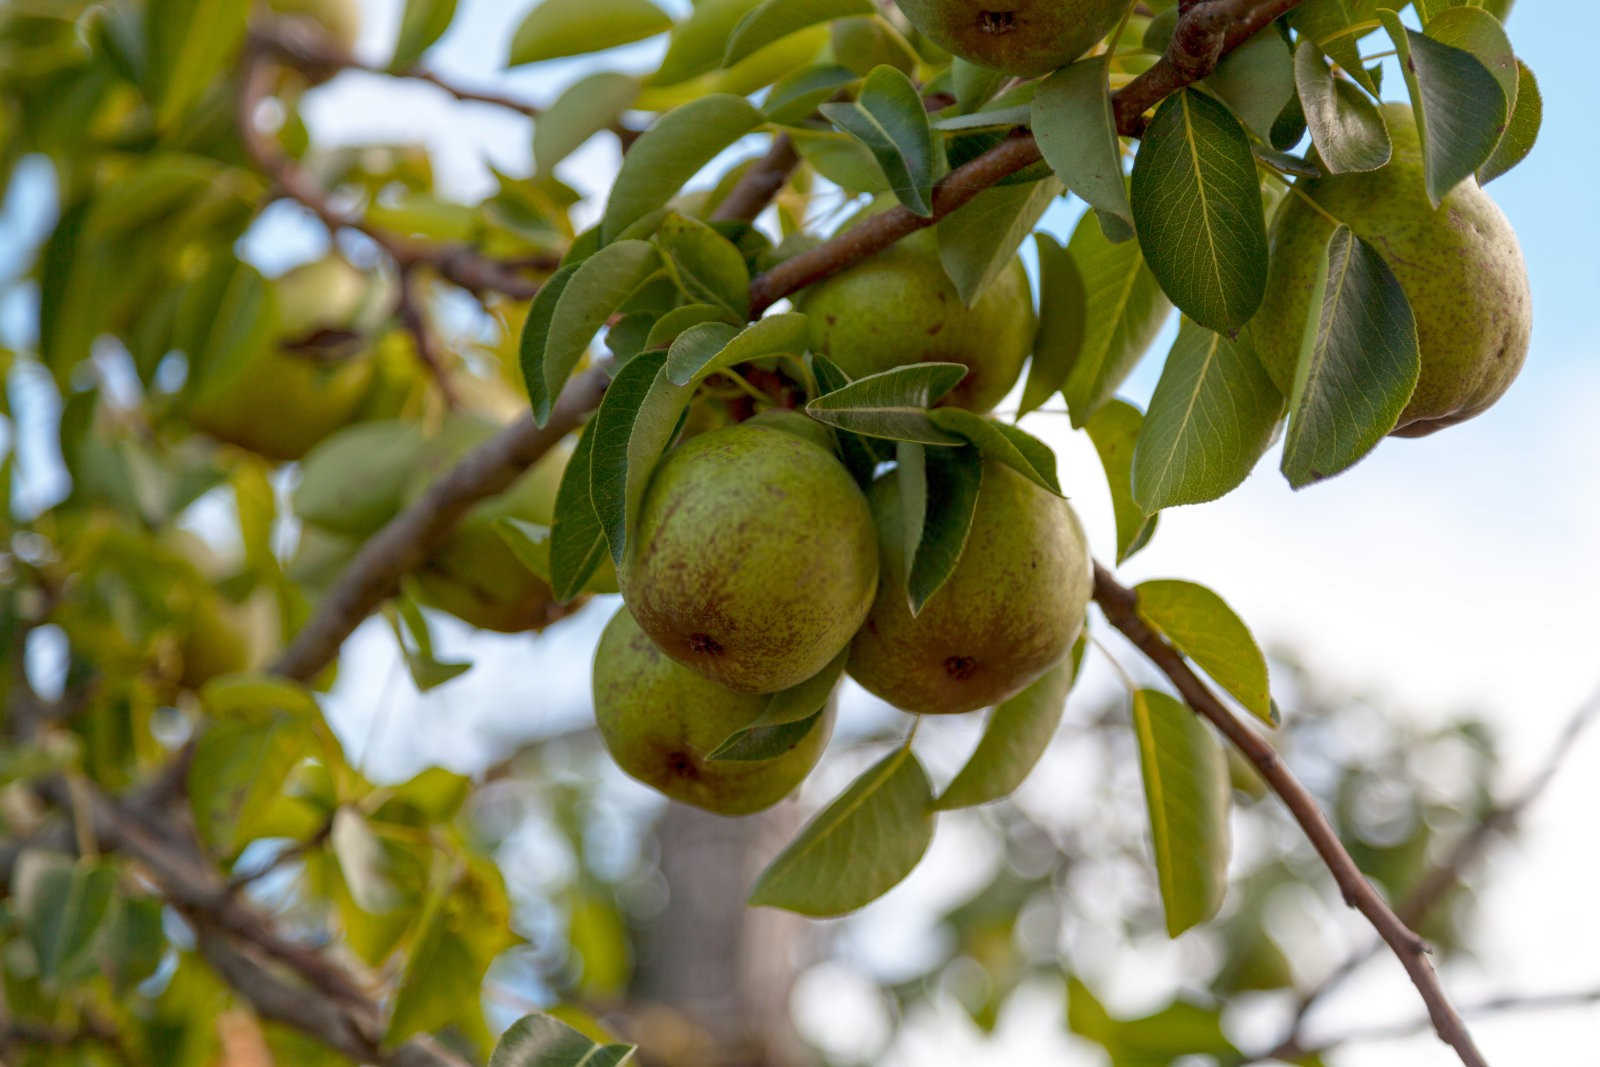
(1024, 37)
(1460, 266)
(281, 398)
(660, 720)
(900, 307)
(753, 559)
(475, 575)
(1009, 611)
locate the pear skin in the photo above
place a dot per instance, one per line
(660, 719)
(899, 307)
(1460, 266)
(754, 558)
(1009, 611)
(1024, 37)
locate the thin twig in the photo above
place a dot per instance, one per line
(1120, 606)
(754, 190)
(1502, 1005)
(408, 308)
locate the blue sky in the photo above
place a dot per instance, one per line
(1455, 571)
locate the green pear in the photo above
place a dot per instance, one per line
(475, 575)
(753, 559)
(796, 422)
(1024, 37)
(660, 720)
(1460, 266)
(899, 307)
(1009, 611)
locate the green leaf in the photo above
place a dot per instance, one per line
(62, 905)
(1126, 309)
(586, 107)
(699, 41)
(1062, 315)
(640, 412)
(355, 481)
(860, 846)
(132, 944)
(1197, 207)
(541, 1041)
(1521, 132)
(939, 493)
(421, 24)
(1329, 24)
(670, 152)
(558, 28)
(225, 318)
(1014, 738)
(1001, 442)
(188, 44)
(1474, 30)
(416, 646)
(529, 542)
(1114, 430)
(795, 96)
(1211, 417)
(669, 327)
(536, 328)
(892, 404)
(980, 239)
(595, 289)
(699, 354)
(1459, 106)
(889, 119)
(973, 84)
(238, 772)
(1204, 628)
(577, 540)
(788, 716)
(1358, 365)
(706, 265)
(1346, 126)
(775, 19)
(1077, 135)
(1187, 794)
(1256, 80)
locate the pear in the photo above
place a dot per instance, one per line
(1460, 266)
(279, 401)
(899, 307)
(475, 575)
(796, 422)
(660, 719)
(1009, 611)
(753, 559)
(1024, 37)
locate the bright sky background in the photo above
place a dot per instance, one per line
(1453, 572)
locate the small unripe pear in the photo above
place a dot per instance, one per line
(475, 575)
(1009, 611)
(754, 558)
(1460, 266)
(1025, 37)
(900, 307)
(660, 720)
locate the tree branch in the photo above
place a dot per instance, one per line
(459, 265)
(1437, 882)
(1502, 1005)
(1120, 606)
(406, 541)
(1205, 33)
(752, 193)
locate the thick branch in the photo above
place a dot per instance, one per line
(1206, 32)
(1120, 606)
(754, 191)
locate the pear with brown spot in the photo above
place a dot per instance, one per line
(1025, 37)
(1009, 611)
(1459, 264)
(660, 720)
(754, 559)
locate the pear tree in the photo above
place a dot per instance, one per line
(775, 394)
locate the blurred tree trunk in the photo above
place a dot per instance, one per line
(721, 972)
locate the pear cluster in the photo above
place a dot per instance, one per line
(758, 563)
